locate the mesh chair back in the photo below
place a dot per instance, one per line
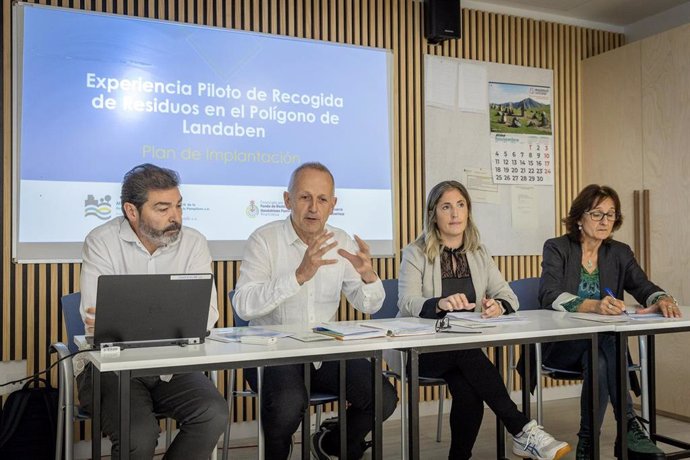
(527, 292)
(236, 320)
(389, 309)
(73, 322)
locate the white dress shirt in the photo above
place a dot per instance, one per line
(113, 249)
(268, 293)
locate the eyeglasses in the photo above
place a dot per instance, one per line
(596, 216)
(442, 324)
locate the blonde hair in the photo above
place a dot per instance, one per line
(431, 238)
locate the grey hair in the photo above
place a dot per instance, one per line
(141, 179)
(310, 165)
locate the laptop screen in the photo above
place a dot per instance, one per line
(152, 310)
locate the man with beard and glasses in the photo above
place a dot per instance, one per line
(150, 238)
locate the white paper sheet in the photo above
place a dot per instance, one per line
(481, 187)
(524, 207)
(473, 88)
(441, 85)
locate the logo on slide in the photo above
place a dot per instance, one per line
(252, 210)
(98, 208)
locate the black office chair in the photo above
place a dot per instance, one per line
(389, 309)
(316, 399)
(68, 413)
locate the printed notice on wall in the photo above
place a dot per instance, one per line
(524, 208)
(481, 188)
(521, 134)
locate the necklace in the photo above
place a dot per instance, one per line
(589, 254)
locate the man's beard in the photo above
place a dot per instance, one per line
(160, 237)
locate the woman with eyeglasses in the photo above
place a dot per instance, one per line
(587, 271)
(448, 269)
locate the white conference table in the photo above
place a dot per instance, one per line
(649, 328)
(137, 362)
(538, 326)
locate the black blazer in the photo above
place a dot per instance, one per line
(618, 271)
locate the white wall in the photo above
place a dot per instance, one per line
(661, 22)
(539, 15)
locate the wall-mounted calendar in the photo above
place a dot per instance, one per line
(520, 122)
(491, 127)
(520, 159)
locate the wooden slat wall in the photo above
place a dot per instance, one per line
(31, 319)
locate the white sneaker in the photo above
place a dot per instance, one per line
(534, 442)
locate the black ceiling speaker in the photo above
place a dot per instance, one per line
(442, 20)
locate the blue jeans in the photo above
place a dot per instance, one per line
(572, 355)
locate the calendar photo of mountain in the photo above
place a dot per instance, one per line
(520, 109)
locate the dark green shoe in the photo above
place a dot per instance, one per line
(583, 449)
(640, 447)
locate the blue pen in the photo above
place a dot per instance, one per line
(610, 292)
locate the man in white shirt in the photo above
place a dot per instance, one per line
(150, 238)
(293, 272)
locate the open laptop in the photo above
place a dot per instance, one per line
(152, 310)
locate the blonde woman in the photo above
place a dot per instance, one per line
(448, 269)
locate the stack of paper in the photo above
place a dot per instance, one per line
(600, 318)
(619, 318)
(310, 337)
(646, 316)
(234, 334)
(399, 328)
(348, 332)
(475, 320)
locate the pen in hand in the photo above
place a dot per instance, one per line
(610, 293)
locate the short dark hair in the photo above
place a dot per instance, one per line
(586, 200)
(141, 179)
(310, 165)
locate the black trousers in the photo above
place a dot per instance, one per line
(285, 399)
(472, 380)
(572, 355)
(191, 399)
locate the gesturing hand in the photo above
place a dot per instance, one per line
(313, 257)
(455, 302)
(361, 261)
(90, 320)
